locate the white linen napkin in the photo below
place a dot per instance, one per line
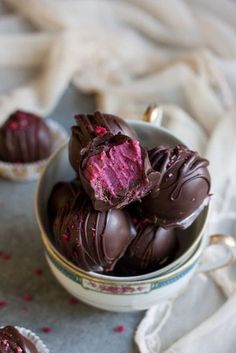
(180, 54)
(215, 334)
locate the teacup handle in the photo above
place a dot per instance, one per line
(154, 115)
(226, 242)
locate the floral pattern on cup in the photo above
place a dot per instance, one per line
(116, 289)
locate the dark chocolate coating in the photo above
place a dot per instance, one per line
(62, 193)
(91, 126)
(11, 341)
(185, 184)
(152, 248)
(92, 240)
(148, 177)
(24, 138)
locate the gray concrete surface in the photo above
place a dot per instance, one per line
(75, 328)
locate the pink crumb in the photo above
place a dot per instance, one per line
(65, 236)
(73, 301)
(27, 297)
(119, 328)
(46, 329)
(100, 130)
(2, 304)
(13, 125)
(38, 272)
(6, 257)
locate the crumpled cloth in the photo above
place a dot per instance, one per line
(180, 54)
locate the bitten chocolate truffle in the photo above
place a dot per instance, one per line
(24, 138)
(152, 248)
(92, 240)
(185, 185)
(115, 170)
(91, 126)
(11, 341)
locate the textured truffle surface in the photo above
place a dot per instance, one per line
(11, 341)
(185, 185)
(92, 126)
(115, 171)
(93, 240)
(24, 138)
(152, 248)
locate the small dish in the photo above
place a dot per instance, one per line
(32, 340)
(32, 171)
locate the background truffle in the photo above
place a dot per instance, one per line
(185, 185)
(24, 138)
(11, 341)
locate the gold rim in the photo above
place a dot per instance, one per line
(229, 242)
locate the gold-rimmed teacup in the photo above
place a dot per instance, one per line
(134, 292)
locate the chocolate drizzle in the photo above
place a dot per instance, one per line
(189, 168)
(61, 194)
(185, 184)
(152, 248)
(93, 240)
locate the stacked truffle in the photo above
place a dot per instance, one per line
(121, 211)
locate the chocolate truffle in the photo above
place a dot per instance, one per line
(115, 170)
(24, 138)
(61, 194)
(92, 240)
(184, 188)
(11, 341)
(91, 126)
(152, 248)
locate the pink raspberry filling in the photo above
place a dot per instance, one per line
(117, 172)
